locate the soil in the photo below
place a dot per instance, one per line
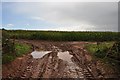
(52, 66)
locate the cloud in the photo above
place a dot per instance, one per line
(9, 25)
(81, 27)
(103, 15)
(60, 0)
(37, 18)
(1, 26)
(27, 24)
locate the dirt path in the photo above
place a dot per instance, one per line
(66, 60)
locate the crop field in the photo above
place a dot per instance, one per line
(63, 36)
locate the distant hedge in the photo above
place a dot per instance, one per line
(63, 36)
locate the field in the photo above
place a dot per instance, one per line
(63, 36)
(94, 54)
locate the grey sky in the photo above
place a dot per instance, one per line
(76, 16)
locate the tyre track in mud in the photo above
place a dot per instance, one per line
(51, 66)
(83, 72)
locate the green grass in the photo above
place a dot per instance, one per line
(99, 52)
(6, 58)
(12, 49)
(20, 49)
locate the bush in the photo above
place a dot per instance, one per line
(101, 53)
(7, 58)
(107, 52)
(10, 49)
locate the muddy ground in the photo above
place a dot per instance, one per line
(51, 65)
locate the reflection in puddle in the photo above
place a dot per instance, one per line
(73, 70)
(39, 54)
(65, 56)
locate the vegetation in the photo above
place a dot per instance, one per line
(108, 52)
(11, 49)
(63, 36)
(21, 49)
(101, 51)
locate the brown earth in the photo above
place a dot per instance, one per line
(52, 66)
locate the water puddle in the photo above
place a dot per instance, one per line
(39, 54)
(72, 70)
(65, 56)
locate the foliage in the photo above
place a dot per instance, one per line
(6, 58)
(7, 45)
(99, 50)
(21, 49)
(115, 51)
(63, 36)
(10, 49)
(7, 48)
(107, 52)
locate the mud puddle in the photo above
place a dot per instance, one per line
(57, 60)
(71, 70)
(65, 56)
(39, 54)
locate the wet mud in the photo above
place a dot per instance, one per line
(56, 60)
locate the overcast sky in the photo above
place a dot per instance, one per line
(63, 16)
(60, 0)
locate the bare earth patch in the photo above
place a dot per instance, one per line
(53, 65)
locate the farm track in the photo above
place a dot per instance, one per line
(50, 65)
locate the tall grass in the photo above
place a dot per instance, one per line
(108, 52)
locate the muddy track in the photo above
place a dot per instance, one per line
(80, 70)
(66, 60)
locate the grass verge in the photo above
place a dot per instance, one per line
(20, 49)
(100, 52)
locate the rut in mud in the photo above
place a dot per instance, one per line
(53, 60)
